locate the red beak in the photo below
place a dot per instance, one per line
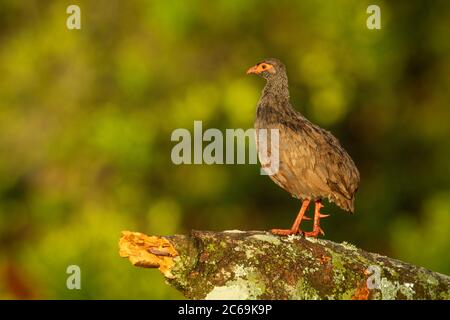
(253, 69)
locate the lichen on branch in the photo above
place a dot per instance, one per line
(259, 265)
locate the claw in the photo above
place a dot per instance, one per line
(324, 215)
(321, 231)
(306, 218)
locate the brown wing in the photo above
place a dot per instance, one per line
(296, 165)
(342, 176)
(314, 164)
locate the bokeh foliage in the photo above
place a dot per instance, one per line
(86, 118)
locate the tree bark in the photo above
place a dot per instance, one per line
(259, 265)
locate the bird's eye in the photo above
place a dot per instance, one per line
(264, 66)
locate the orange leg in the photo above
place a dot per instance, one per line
(317, 216)
(296, 226)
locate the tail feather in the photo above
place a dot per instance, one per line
(344, 203)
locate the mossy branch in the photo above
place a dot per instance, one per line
(259, 265)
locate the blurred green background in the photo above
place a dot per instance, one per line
(86, 117)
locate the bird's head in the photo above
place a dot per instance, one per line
(268, 69)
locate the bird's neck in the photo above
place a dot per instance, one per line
(276, 92)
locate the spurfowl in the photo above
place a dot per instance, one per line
(312, 163)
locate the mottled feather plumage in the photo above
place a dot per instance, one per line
(313, 164)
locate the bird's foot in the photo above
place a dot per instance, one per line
(317, 216)
(284, 232)
(315, 233)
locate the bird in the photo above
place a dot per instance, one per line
(312, 164)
